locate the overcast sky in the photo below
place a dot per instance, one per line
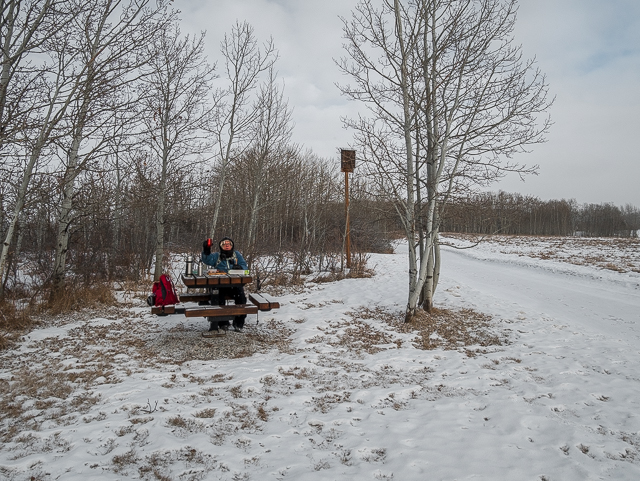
(589, 50)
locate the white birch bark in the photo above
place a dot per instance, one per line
(178, 115)
(446, 91)
(17, 41)
(272, 133)
(55, 113)
(104, 45)
(245, 62)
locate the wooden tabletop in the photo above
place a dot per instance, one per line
(222, 280)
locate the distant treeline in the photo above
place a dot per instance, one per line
(303, 213)
(516, 214)
(113, 234)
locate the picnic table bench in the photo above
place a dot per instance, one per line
(209, 302)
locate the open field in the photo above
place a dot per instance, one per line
(528, 368)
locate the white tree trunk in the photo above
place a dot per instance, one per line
(445, 73)
(162, 193)
(64, 227)
(17, 209)
(68, 188)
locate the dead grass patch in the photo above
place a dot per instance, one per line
(206, 413)
(453, 330)
(43, 394)
(158, 465)
(301, 373)
(462, 329)
(75, 298)
(360, 336)
(17, 320)
(273, 334)
(181, 344)
(123, 461)
(58, 389)
(45, 389)
(14, 321)
(327, 277)
(328, 401)
(182, 426)
(281, 280)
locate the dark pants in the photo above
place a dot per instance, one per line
(237, 293)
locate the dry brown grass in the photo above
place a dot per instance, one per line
(360, 336)
(14, 321)
(75, 298)
(359, 266)
(371, 330)
(327, 401)
(182, 344)
(42, 394)
(282, 279)
(45, 391)
(462, 329)
(453, 330)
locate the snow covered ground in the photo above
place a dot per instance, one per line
(349, 394)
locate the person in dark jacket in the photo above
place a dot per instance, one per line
(225, 260)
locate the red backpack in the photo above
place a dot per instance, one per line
(164, 292)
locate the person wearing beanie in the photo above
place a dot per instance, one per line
(225, 260)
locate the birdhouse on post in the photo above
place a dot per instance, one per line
(347, 163)
(348, 160)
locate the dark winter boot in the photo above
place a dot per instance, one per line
(238, 323)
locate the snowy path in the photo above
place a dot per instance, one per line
(577, 331)
(589, 303)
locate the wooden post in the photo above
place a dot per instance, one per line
(346, 214)
(348, 163)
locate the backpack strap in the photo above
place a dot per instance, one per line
(218, 260)
(164, 290)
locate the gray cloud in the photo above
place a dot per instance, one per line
(589, 49)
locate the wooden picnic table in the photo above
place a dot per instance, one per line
(216, 280)
(209, 300)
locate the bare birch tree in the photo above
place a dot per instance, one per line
(103, 51)
(32, 98)
(24, 26)
(178, 113)
(245, 61)
(450, 99)
(272, 133)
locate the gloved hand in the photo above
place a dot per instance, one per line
(206, 247)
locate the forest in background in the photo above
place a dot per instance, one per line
(303, 219)
(120, 145)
